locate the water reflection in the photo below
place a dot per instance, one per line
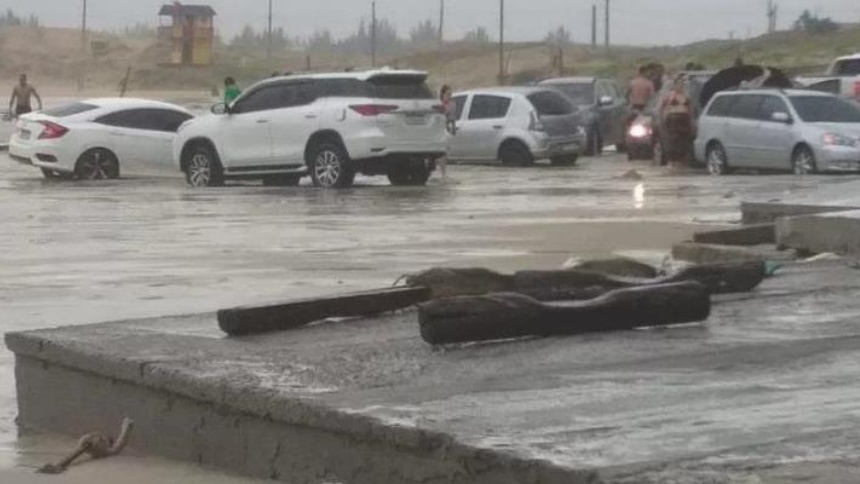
(639, 196)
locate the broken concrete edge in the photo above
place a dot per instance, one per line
(753, 213)
(269, 405)
(714, 253)
(745, 235)
(831, 232)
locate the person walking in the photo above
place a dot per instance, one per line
(641, 91)
(22, 95)
(449, 109)
(231, 90)
(677, 115)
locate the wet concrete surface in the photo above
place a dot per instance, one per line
(78, 253)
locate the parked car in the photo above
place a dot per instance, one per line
(332, 126)
(516, 125)
(842, 78)
(794, 130)
(100, 138)
(644, 137)
(603, 107)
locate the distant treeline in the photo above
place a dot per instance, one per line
(12, 19)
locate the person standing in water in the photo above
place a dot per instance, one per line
(678, 119)
(231, 90)
(21, 97)
(449, 109)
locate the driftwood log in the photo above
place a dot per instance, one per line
(511, 315)
(564, 285)
(248, 320)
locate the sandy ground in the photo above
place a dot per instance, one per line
(77, 253)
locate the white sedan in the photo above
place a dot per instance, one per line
(100, 138)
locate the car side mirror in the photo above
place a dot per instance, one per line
(220, 109)
(606, 100)
(781, 117)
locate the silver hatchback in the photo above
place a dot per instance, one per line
(785, 130)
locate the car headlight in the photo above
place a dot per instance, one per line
(836, 139)
(638, 131)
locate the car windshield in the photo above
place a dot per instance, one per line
(849, 67)
(551, 103)
(825, 109)
(579, 93)
(69, 110)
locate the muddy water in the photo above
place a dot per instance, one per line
(78, 253)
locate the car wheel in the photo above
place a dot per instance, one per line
(717, 160)
(566, 160)
(203, 168)
(97, 164)
(415, 175)
(282, 180)
(330, 166)
(803, 161)
(516, 154)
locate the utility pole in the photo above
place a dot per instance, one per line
(502, 42)
(269, 44)
(772, 14)
(373, 35)
(83, 46)
(607, 25)
(441, 22)
(594, 26)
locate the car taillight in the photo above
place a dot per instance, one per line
(638, 131)
(52, 130)
(373, 109)
(535, 123)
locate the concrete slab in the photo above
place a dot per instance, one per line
(837, 232)
(828, 198)
(766, 386)
(719, 254)
(745, 235)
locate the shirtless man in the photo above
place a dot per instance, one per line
(641, 90)
(21, 95)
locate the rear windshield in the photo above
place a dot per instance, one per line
(579, 93)
(69, 110)
(549, 103)
(847, 68)
(401, 87)
(825, 109)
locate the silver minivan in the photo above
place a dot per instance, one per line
(516, 125)
(787, 130)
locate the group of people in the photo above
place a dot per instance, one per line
(675, 111)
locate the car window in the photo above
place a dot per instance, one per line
(262, 99)
(69, 110)
(346, 88)
(746, 106)
(550, 103)
(579, 93)
(722, 105)
(770, 105)
(831, 86)
(489, 107)
(459, 106)
(604, 90)
(400, 86)
(299, 94)
(146, 119)
(825, 109)
(614, 89)
(848, 67)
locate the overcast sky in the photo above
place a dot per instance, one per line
(634, 21)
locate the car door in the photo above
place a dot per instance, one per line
(116, 132)
(483, 131)
(605, 103)
(618, 114)
(143, 139)
(739, 129)
(772, 141)
(244, 134)
(457, 148)
(297, 117)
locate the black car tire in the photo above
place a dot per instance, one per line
(409, 175)
(97, 164)
(203, 168)
(515, 153)
(716, 159)
(330, 166)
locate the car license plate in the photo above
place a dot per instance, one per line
(25, 134)
(415, 119)
(569, 147)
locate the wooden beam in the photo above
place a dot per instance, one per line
(283, 316)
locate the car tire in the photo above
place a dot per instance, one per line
(282, 180)
(716, 159)
(566, 160)
(594, 142)
(97, 164)
(803, 161)
(330, 166)
(415, 175)
(203, 168)
(514, 153)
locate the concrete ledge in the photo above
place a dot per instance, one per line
(837, 232)
(744, 236)
(366, 401)
(715, 254)
(768, 212)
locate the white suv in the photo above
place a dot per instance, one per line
(331, 126)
